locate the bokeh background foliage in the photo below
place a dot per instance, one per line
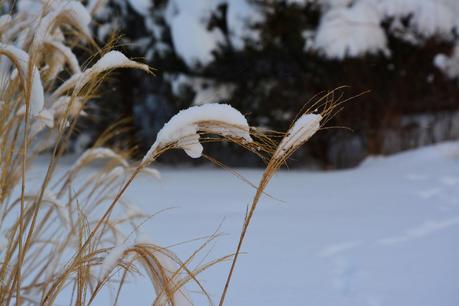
(268, 58)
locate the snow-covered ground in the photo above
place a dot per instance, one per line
(384, 234)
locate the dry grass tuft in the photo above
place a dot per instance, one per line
(64, 233)
(58, 234)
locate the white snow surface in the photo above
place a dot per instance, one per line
(361, 237)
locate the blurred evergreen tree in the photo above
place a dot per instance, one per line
(273, 75)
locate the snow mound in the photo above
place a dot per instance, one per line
(428, 154)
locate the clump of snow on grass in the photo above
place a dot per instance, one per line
(21, 59)
(183, 128)
(303, 129)
(111, 60)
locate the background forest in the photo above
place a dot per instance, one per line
(268, 58)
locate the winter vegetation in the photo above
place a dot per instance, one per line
(269, 57)
(71, 235)
(346, 28)
(85, 124)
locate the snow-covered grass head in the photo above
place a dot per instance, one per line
(302, 129)
(300, 132)
(183, 131)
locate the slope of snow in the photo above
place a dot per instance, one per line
(384, 234)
